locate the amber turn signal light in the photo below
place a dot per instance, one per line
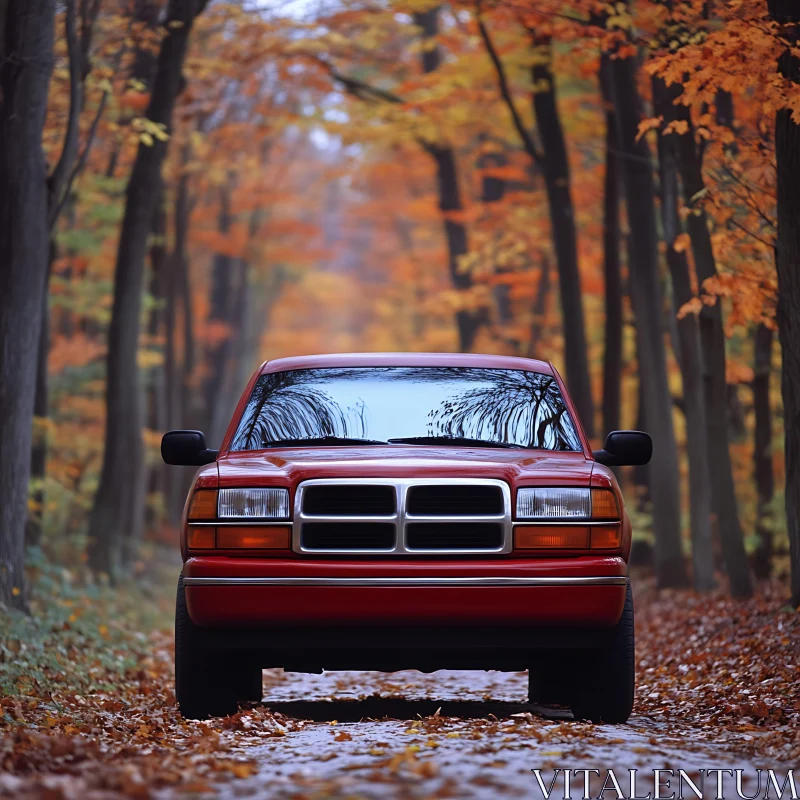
(271, 537)
(204, 504)
(201, 538)
(551, 537)
(604, 504)
(606, 537)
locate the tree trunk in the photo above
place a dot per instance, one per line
(712, 338)
(26, 60)
(119, 503)
(762, 451)
(467, 322)
(787, 147)
(690, 357)
(156, 380)
(612, 357)
(555, 167)
(222, 312)
(179, 393)
(539, 307)
(35, 521)
(648, 307)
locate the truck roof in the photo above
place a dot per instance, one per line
(406, 360)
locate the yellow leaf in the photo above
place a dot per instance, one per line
(693, 306)
(682, 241)
(648, 125)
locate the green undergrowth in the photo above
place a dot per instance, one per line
(81, 636)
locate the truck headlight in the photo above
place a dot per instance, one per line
(253, 504)
(551, 503)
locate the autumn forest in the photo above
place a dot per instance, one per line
(609, 186)
(190, 187)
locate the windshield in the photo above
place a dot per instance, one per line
(379, 404)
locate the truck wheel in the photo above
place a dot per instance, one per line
(204, 685)
(605, 681)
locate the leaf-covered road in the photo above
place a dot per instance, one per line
(452, 734)
(717, 688)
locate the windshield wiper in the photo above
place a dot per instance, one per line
(320, 440)
(454, 440)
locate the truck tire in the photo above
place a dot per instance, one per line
(604, 682)
(206, 685)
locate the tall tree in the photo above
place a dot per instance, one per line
(763, 470)
(646, 297)
(787, 148)
(553, 162)
(468, 321)
(26, 61)
(450, 202)
(612, 272)
(119, 504)
(688, 345)
(59, 184)
(712, 338)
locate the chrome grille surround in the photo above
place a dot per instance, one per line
(400, 518)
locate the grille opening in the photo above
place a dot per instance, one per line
(348, 535)
(443, 500)
(343, 500)
(454, 536)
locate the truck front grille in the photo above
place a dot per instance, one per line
(454, 500)
(402, 516)
(348, 536)
(454, 536)
(338, 501)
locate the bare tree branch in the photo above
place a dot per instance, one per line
(80, 163)
(358, 88)
(69, 151)
(505, 92)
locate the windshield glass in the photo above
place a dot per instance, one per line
(506, 407)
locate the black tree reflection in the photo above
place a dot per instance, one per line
(284, 406)
(494, 405)
(511, 406)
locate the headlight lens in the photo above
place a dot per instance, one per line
(554, 503)
(254, 504)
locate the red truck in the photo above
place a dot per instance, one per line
(406, 511)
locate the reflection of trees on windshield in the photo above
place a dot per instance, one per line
(521, 407)
(514, 406)
(284, 406)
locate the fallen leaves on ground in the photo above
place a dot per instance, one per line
(715, 669)
(131, 741)
(729, 668)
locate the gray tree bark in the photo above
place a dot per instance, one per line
(612, 273)
(637, 179)
(787, 148)
(688, 343)
(26, 61)
(712, 338)
(468, 322)
(763, 470)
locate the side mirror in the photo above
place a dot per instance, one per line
(625, 449)
(186, 449)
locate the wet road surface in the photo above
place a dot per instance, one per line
(456, 734)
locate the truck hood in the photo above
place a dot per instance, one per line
(290, 466)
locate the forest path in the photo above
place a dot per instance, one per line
(376, 735)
